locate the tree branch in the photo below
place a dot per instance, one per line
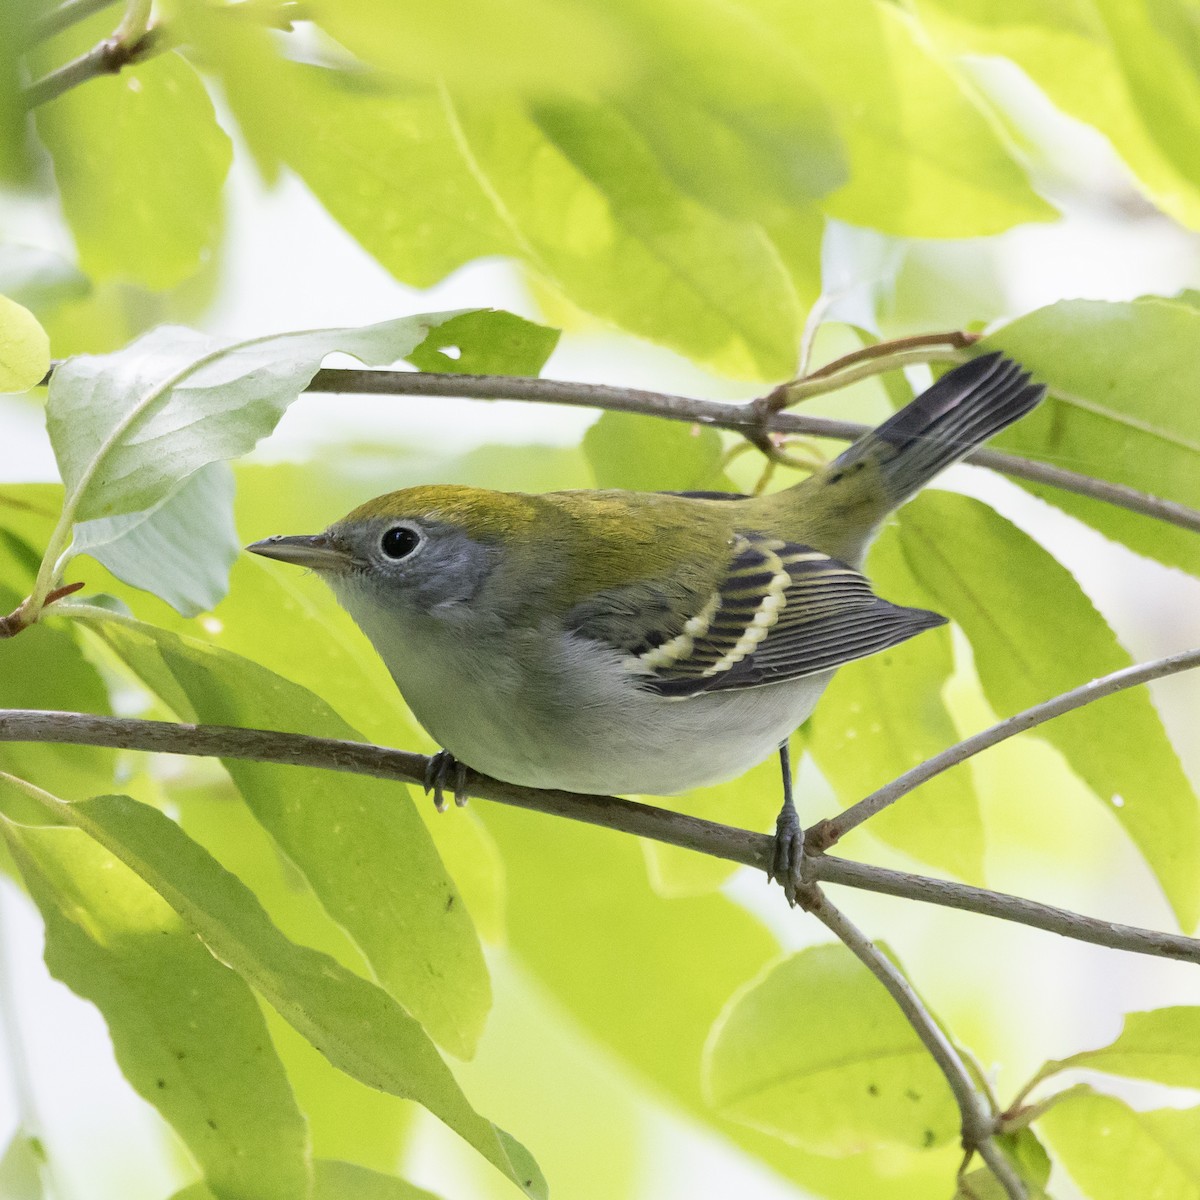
(827, 833)
(131, 43)
(828, 869)
(978, 1122)
(741, 418)
(108, 57)
(727, 842)
(753, 419)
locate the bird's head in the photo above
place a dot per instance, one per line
(413, 550)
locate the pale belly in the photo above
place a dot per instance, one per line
(583, 726)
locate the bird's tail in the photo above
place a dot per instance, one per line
(942, 425)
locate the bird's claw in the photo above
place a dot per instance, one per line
(788, 864)
(444, 772)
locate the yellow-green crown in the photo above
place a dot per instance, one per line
(482, 514)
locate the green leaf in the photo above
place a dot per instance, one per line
(1122, 68)
(187, 1032)
(21, 1167)
(542, 46)
(346, 1181)
(1019, 608)
(24, 348)
(129, 428)
(1162, 1045)
(333, 1180)
(1121, 408)
(346, 1119)
(16, 18)
(359, 842)
(492, 343)
(1155, 47)
(650, 995)
(600, 218)
(355, 1024)
(336, 123)
(924, 161)
(140, 162)
(45, 668)
(883, 715)
(156, 549)
(1113, 1152)
(1026, 1154)
(729, 110)
(628, 450)
(815, 1051)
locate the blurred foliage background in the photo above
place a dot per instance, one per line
(692, 193)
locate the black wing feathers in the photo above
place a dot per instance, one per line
(784, 611)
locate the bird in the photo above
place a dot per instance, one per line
(617, 642)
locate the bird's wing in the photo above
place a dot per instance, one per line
(782, 611)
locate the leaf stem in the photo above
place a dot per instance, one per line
(869, 360)
(828, 832)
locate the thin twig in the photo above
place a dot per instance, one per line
(727, 842)
(737, 417)
(108, 57)
(826, 868)
(866, 361)
(953, 339)
(978, 1122)
(827, 833)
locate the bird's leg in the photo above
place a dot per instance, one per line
(444, 769)
(788, 866)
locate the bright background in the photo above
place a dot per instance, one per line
(1025, 995)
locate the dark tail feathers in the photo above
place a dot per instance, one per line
(944, 424)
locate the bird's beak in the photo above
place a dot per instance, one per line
(317, 551)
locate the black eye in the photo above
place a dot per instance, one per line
(399, 541)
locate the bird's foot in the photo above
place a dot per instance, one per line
(443, 773)
(788, 864)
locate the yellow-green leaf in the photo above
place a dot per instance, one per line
(140, 162)
(1020, 609)
(187, 1031)
(397, 902)
(1115, 1153)
(24, 348)
(815, 1051)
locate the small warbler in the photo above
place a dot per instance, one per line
(612, 641)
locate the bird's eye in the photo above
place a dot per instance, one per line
(399, 541)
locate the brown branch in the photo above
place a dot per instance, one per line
(737, 417)
(828, 832)
(727, 842)
(979, 1122)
